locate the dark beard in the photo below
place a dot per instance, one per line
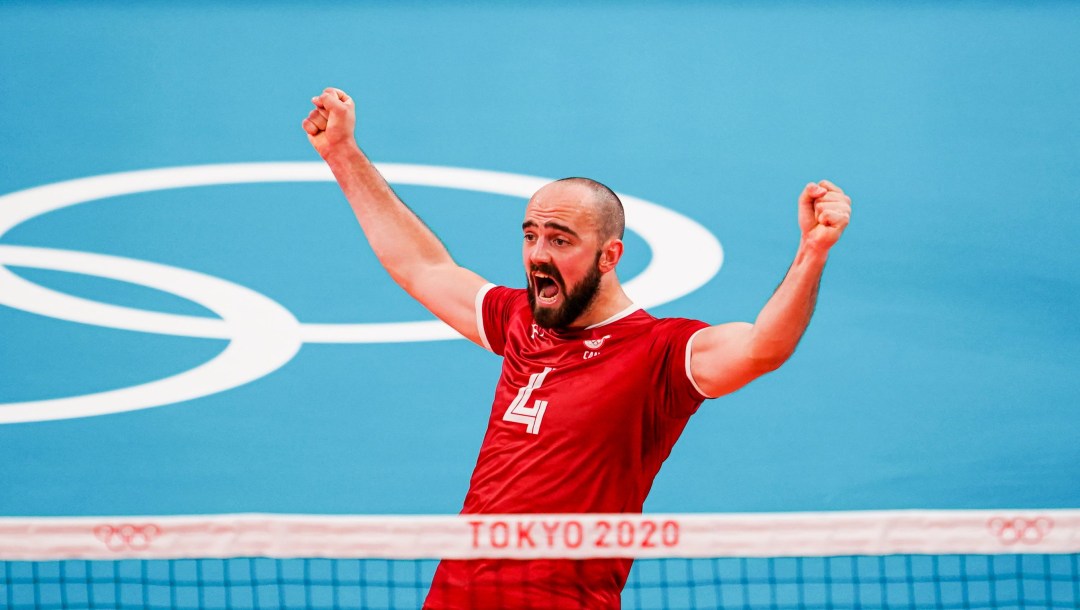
(575, 301)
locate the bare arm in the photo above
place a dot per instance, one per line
(410, 252)
(726, 357)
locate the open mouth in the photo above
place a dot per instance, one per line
(547, 289)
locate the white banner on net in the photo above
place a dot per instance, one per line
(534, 536)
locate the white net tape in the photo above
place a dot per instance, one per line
(533, 536)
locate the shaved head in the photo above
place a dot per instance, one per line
(610, 219)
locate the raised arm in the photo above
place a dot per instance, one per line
(410, 252)
(728, 356)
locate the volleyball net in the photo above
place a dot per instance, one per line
(870, 560)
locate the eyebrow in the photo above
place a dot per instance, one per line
(528, 224)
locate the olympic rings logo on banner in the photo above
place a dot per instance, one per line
(127, 537)
(1020, 530)
(263, 335)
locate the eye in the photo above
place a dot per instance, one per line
(529, 237)
(558, 241)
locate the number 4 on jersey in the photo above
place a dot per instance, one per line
(520, 413)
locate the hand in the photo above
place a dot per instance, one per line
(331, 124)
(824, 212)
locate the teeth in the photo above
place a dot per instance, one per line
(540, 298)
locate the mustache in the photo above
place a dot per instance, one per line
(546, 269)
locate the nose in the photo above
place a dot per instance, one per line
(538, 252)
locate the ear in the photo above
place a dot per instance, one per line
(610, 254)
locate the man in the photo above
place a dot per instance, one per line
(594, 391)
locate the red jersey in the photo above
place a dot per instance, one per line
(581, 422)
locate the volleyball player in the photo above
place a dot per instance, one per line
(594, 391)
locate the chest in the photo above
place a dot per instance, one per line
(596, 384)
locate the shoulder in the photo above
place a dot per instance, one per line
(641, 323)
(499, 312)
(502, 297)
(670, 343)
(668, 328)
(659, 334)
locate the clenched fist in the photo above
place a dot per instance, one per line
(824, 212)
(331, 124)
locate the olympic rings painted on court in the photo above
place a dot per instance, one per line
(262, 334)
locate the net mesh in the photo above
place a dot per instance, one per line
(1030, 568)
(869, 582)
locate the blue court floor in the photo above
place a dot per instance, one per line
(940, 370)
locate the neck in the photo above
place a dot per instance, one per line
(610, 300)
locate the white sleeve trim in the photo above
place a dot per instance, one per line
(689, 373)
(480, 315)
